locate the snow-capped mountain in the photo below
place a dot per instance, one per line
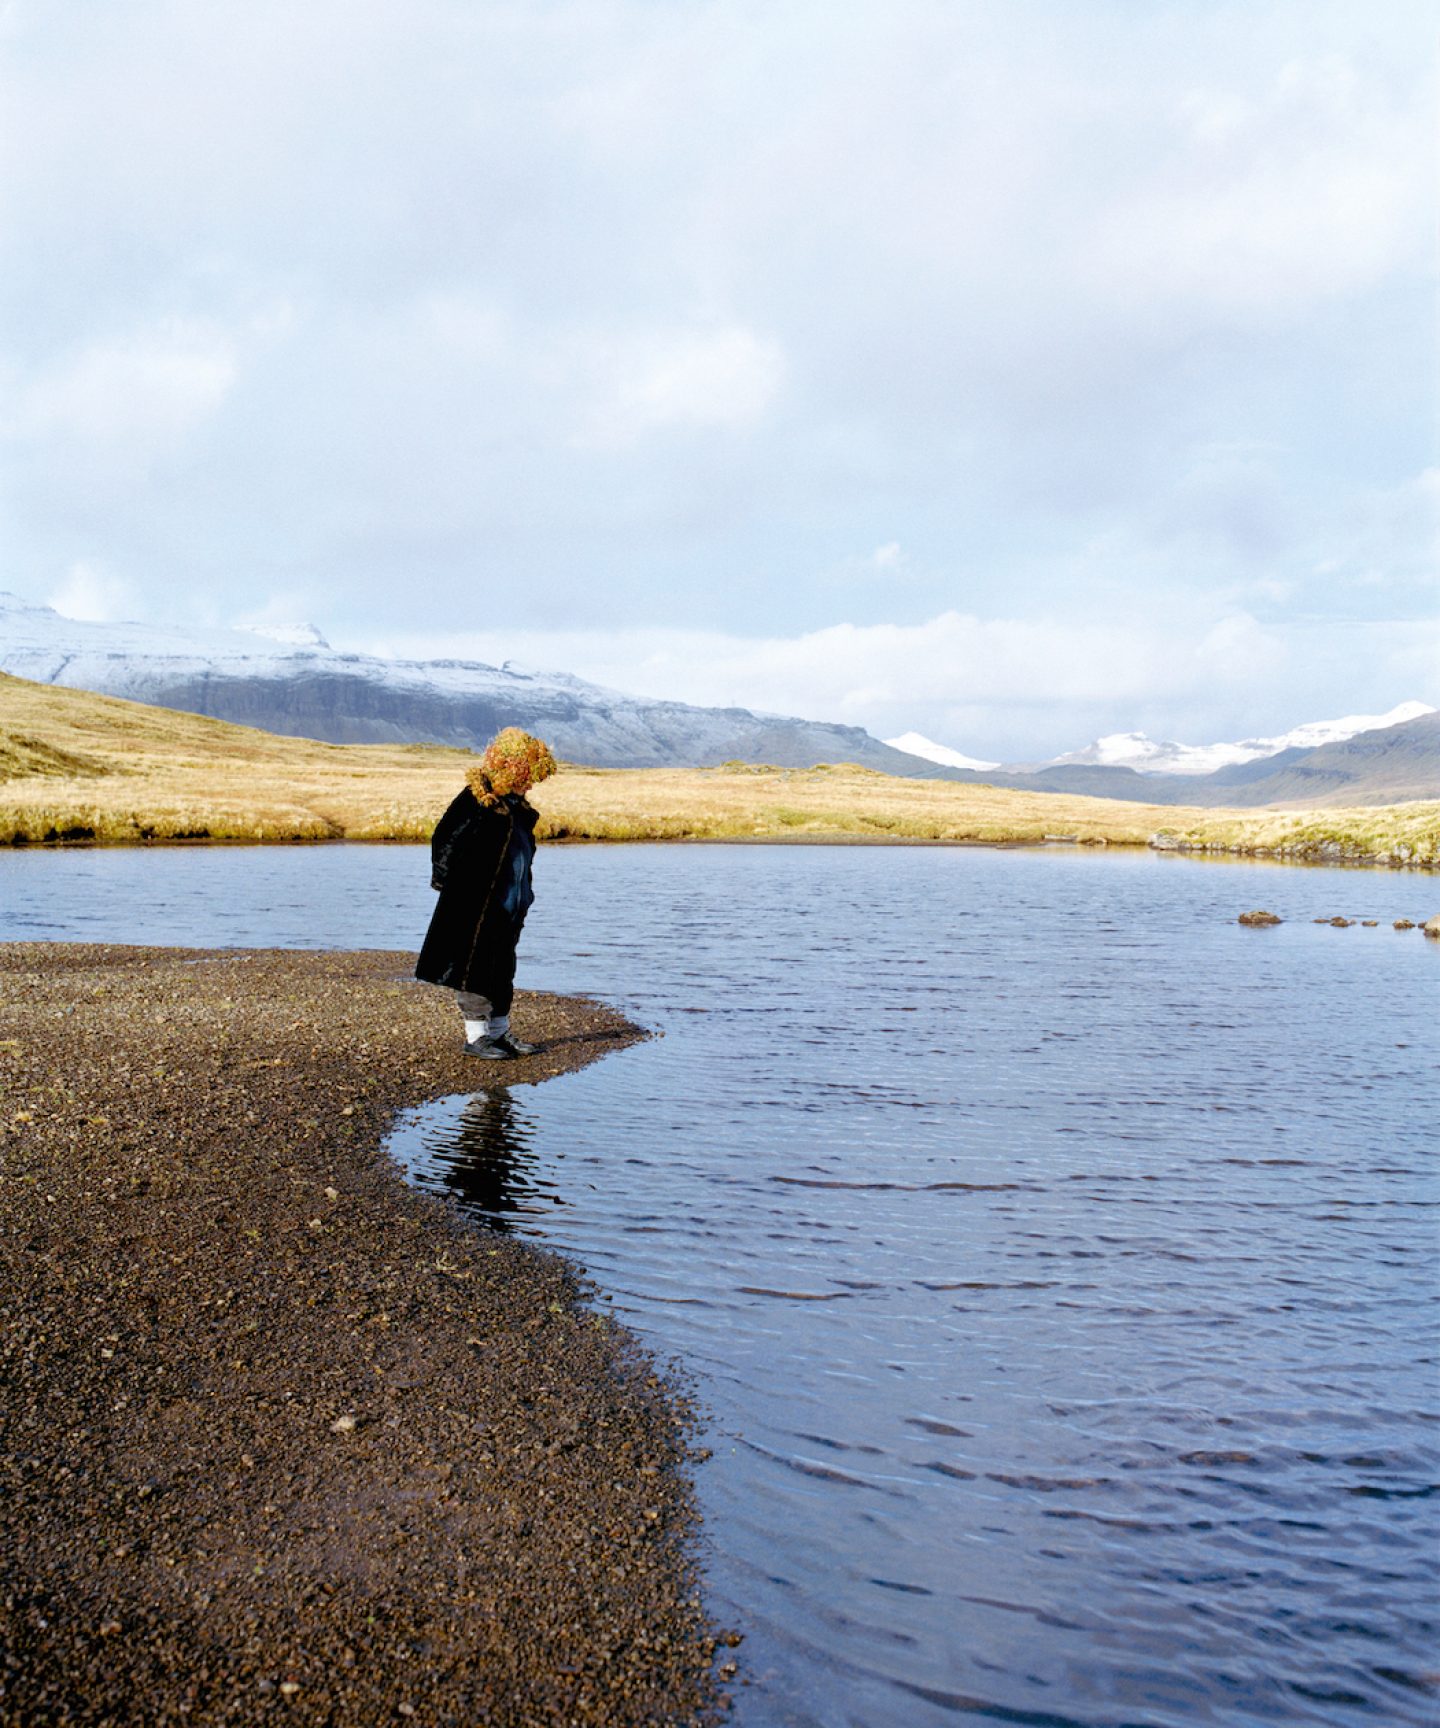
(1146, 756)
(917, 744)
(293, 635)
(292, 682)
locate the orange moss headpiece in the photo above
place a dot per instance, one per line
(512, 761)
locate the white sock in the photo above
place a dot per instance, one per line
(475, 1012)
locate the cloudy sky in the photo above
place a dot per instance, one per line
(1009, 370)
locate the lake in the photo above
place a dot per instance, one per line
(1054, 1258)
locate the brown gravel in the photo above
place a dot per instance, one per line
(278, 1435)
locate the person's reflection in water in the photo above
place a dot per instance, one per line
(488, 1161)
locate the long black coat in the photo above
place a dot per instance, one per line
(479, 855)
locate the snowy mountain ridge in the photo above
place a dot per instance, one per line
(1137, 751)
(1146, 756)
(293, 635)
(39, 643)
(917, 744)
(290, 681)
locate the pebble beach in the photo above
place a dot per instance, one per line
(279, 1434)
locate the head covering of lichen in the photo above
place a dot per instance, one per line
(512, 761)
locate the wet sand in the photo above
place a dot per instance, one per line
(277, 1433)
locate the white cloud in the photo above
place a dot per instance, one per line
(465, 326)
(698, 314)
(94, 594)
(1014, 686)
(1393, 537)
(676, 380)
(153, 385)
(1236, 650)
(1318, 188)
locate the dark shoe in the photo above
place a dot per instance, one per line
(501, 1049)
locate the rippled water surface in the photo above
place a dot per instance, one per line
(1055, 1258)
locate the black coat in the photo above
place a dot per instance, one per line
(480, 862)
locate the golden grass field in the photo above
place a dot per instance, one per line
(76, 767)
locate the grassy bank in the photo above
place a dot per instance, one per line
(78, 767)
(848, 803)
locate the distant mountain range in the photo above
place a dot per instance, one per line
(1386, 763)
(1135, 750)
(292, 682)
(1146, 756)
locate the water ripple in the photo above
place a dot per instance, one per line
(1056, 1261)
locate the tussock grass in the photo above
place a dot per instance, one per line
(79, 767)
(1396, 834)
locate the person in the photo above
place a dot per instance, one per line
(480, 861)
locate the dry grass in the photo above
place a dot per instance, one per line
(741, 802)
(74, 766)
(849, 803)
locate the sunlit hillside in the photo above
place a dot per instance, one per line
(76, 767)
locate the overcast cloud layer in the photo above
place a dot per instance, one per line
(1011, 372)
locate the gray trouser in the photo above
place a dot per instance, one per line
(481, 1020)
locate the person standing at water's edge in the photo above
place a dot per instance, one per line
(480, 859)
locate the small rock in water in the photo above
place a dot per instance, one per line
(1404, 924)
(1342, 923)
(1431, 926)
(1369, 923)
(1259, 916)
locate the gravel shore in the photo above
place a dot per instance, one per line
(279, 1435)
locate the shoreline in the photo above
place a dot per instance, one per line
(277, 1429)
(1323, 854)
